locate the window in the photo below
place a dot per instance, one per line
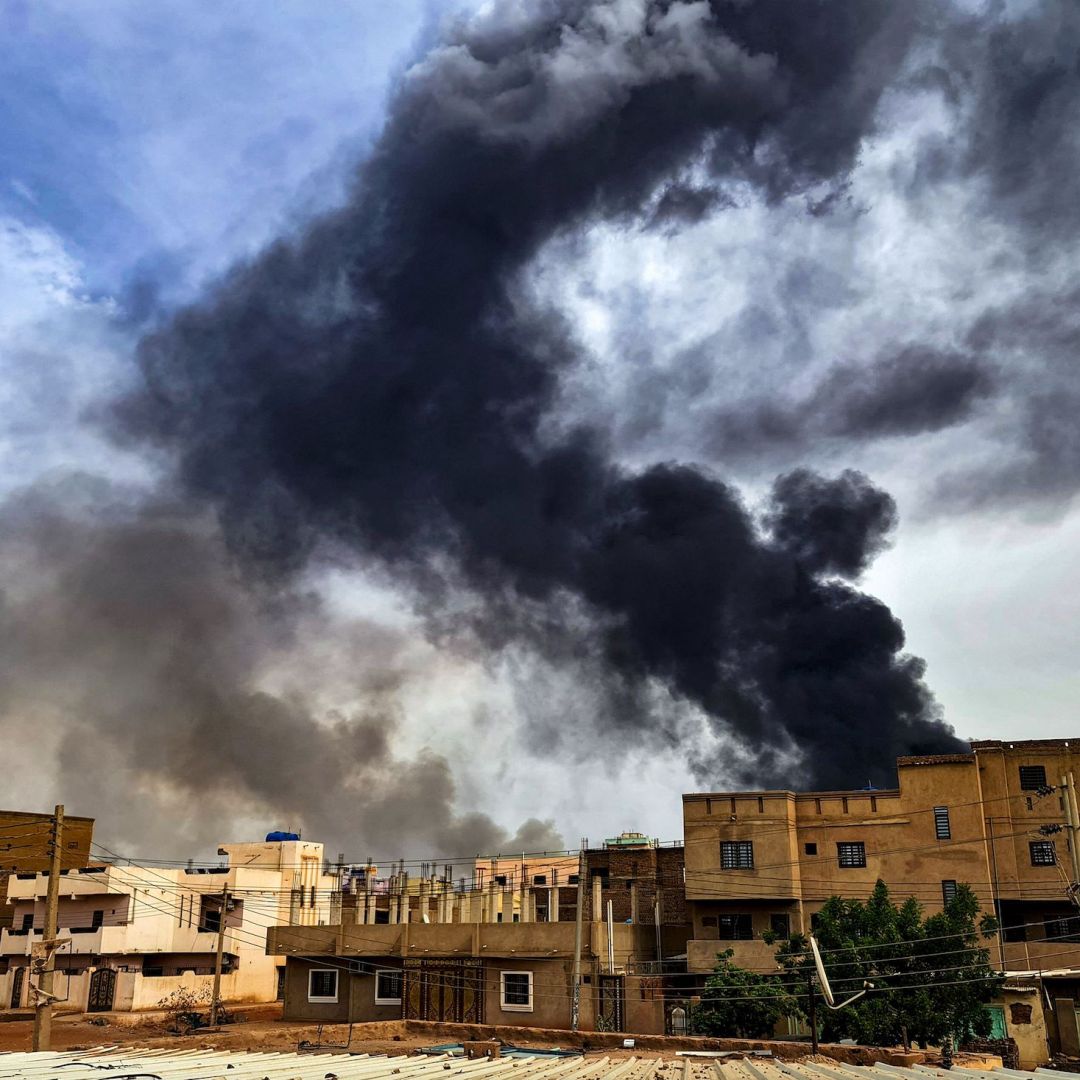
(517, 991)
(948, 891)
(851, 854)
(211, 921)
(845, 803)
(382, 915)
(941, 823)
(811, 849)
(708, 806)
(500, 879)
(736, 928)
(760, 805)
(28, 922)
(388, 987)
(322, 985)
(1066, 929)
(598, 872)
(97, 919)
(780, 924)
(1032, 777)
(1042, 853)
(736, 855)
(572, 879)
(539, 879)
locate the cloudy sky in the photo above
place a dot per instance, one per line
(211, 626)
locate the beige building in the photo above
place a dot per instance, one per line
(760, 861)
(137, 933)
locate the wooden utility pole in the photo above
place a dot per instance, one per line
(215, 1001)
(575, 1009)
(42, 1038)
(811, 1012)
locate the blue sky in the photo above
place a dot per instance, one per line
(163, 140)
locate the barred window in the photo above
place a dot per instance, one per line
(948, 891)
(852, 854)
(517, 991)
(1032, 777)
(737, 855)
(1042, 853)
(388, 986)
(941, 823)
(322, 985)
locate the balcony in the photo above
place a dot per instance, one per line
(88, 881)
(149, 936)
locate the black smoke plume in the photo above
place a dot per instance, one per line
(383, 384)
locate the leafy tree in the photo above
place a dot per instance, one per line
(741, 1003)
(931, 975)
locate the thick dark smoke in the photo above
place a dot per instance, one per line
(382, 384)
(130, 638)
(912, 391)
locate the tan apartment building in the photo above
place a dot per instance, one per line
(25, 847)
(136, 933)
(993, 819)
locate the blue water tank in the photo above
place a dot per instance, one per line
(277, 837)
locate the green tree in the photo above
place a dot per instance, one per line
(931, 975)
(741, 1003)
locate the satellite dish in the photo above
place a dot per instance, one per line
(823, 980)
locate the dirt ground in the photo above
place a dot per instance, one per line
(260, 1028)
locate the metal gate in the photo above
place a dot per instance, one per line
(16, 986)
(611, 1003)
(450, 991)
(102, 989)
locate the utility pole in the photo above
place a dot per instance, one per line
(215, 1001)
(42, 1038)
(575, 1010)
(811, 1012)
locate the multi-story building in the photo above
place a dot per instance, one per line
(995, 819)
(499, 947)
(136, 933)
(25, 845)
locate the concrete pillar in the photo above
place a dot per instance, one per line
(403, 897)
(597, 900)
(395, 907)
(372, 907)
(492, 902)
(422, 899)
(508, 901)
(553, 904)
(360, 911)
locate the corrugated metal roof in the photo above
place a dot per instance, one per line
(115, 1063)
(809, 1070)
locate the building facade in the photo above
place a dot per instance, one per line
(135, 933)
(995, 819)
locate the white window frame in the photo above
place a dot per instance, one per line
(506, 1007)
(320, 1000)
(387, 971)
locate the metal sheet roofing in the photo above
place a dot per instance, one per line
(114, 1063)
(813, 1070)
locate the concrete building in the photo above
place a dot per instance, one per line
(499, 947)
(493, 973)
(137, 933)
(25, 847)
(993, 819)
